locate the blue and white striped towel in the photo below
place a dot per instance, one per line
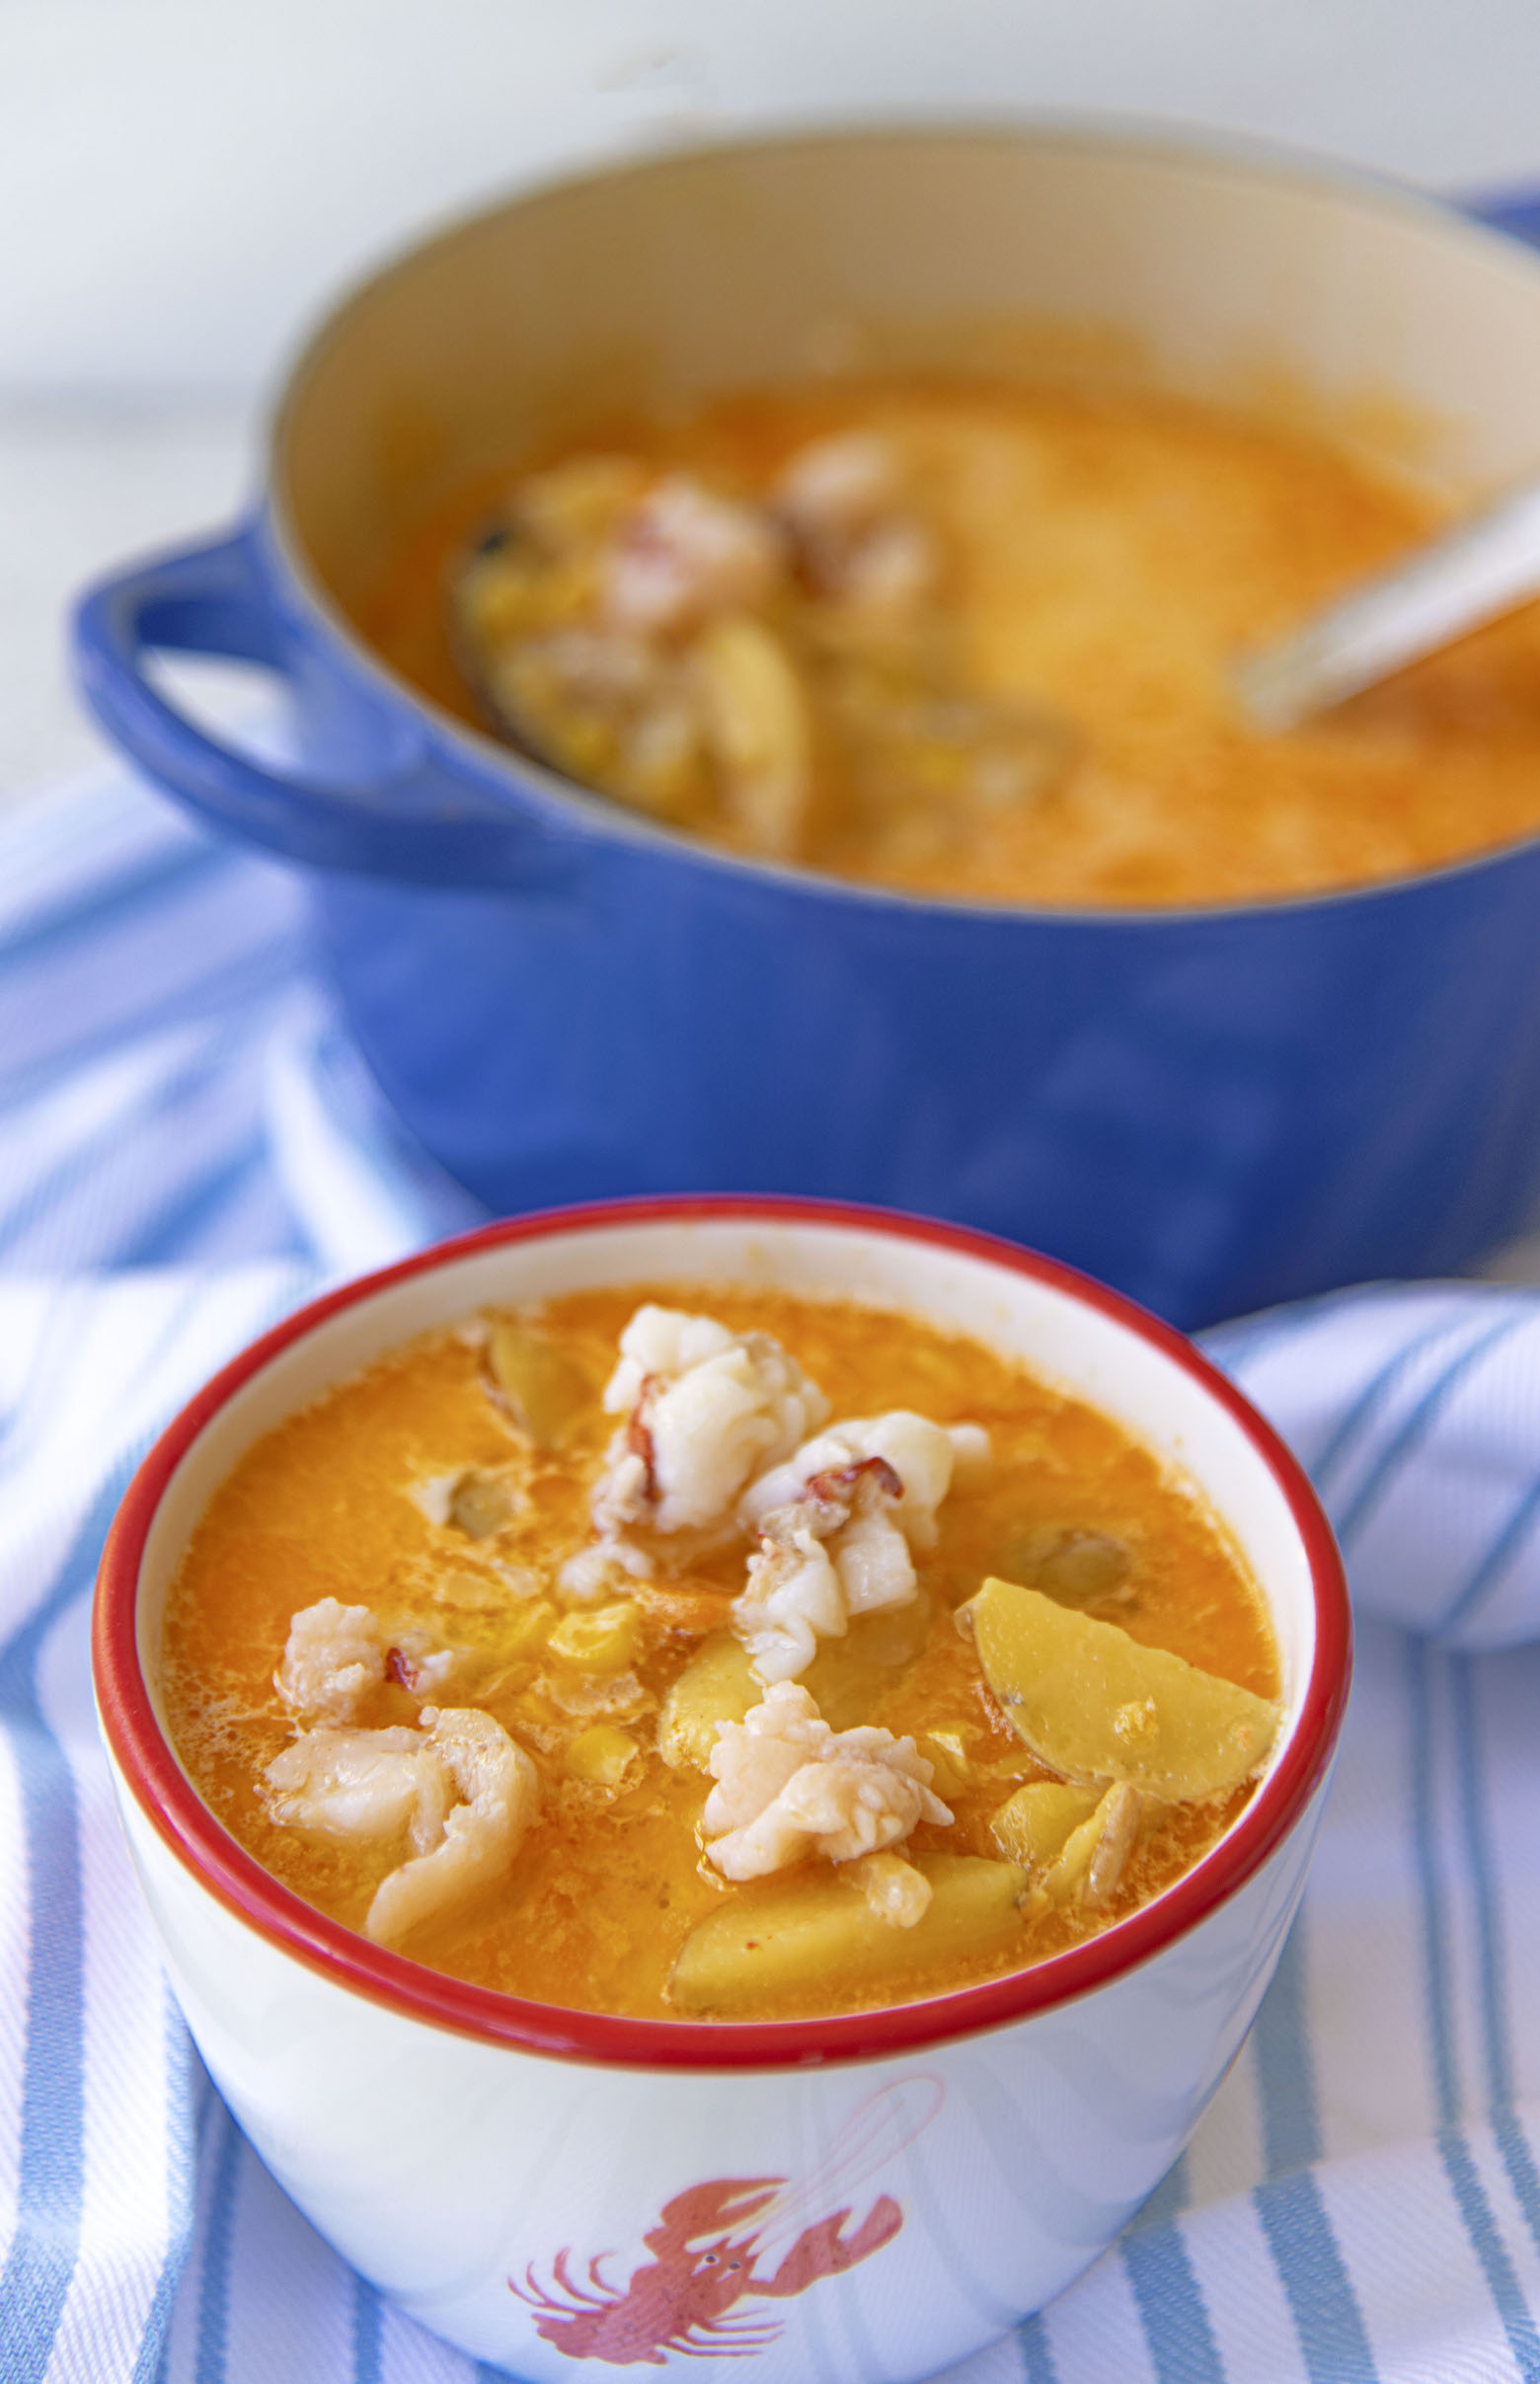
(187, 1147)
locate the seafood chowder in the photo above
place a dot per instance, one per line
(716, 1655)
(969, 640)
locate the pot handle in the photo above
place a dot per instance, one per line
(407, 813)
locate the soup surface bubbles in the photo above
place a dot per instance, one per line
(678, 1652)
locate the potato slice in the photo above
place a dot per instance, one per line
(818, 1932)
(1033, 1826)
(1093, 1704)
(760, 732)
(538, 1384)
(715, 1685)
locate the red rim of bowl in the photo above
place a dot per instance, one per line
(175, 1808)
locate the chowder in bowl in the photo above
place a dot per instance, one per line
(473, 2150)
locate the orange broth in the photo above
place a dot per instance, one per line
(610, 1878)
(1109, 556)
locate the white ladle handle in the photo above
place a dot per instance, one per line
(1484, 568)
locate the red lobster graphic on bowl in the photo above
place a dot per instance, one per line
(730, 2242)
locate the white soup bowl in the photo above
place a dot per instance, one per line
(561, 2192)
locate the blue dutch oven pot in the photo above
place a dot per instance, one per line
(1210, 1110)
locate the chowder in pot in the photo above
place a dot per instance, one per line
(973, 641)
(1240, 1092)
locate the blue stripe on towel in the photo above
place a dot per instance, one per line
(1376, 1392)
(236, 988)
(182, 1222)
(1492, 1568)
(86, 917)
(1285, 2070)
(1165, 2288)
(182, 2073)
(214, 2305)
(1415, 1428)
(184, 1084)
(1517, 2158)
(1470, 2196)
(35, 2279)
(1233, 1347)
(1333, 2339)
(1036, 2358)
(1169, 2198)
(51, 2186)
(1170, 2306)
(366, 2330)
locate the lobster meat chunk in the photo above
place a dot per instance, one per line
(837, 1522)
(789, 1786)
(704, 1410)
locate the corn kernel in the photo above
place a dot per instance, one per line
(602, 1754)
(576, 502)
(602, 1638)
(582, 742)
(505, 600)
(896, 1891)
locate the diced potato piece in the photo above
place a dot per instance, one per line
(1068, 1874)
(951, 1766)
(1092, 1860)
(1093, 1704)
(598, 1639)
(819, 1931)
(715, 1685)
(480, 1503)
(1072, 1563)
(1121, 1811)
(760, 732)
(1033, 1826)
(603, 1754)
(539, 1385)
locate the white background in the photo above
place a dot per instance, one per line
(184, 181)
